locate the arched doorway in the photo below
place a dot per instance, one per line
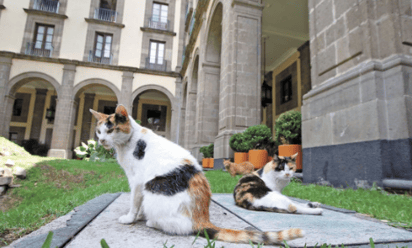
(96, 94)
(30, 106)
(153, 107)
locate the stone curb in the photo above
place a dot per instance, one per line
(83, 215)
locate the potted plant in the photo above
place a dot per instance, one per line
(288, 128)
(208, 160)
(255, 137)
(241, 148)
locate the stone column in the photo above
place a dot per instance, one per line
(190, 118)
(5, 66)
(87, 117)
(126, 91)
(8, 111)
(240, 77)
(176, 112)
(38, 113)
(357, 119)
(62, 140)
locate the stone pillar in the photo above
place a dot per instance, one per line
(5, 66)
(8, 111)
(357, 119)
(62, 140)
(190, 116)
(126, 91)
(176, 112)
(240, 77)
(38, 113)
(87, 117)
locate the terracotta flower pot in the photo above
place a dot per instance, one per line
(270, 158)
(211, 163)
(258, 158)
(205, 163)
(289, 150)
(241, 157)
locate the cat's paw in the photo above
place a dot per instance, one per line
(314, 204)
(127, 219)
(318, 211)
(151, 224)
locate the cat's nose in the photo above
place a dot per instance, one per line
(103, 141)
(287, 175)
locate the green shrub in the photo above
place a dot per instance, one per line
(139, 122)
(288, 128)
(257, 137)
(238, 144)
(208, 151)
(94, 152)
(35, 148)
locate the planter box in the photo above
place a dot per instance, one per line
(258, 158)
(208, 163)
(241, 157)
(289, 150)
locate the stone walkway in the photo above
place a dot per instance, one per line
(97, 220)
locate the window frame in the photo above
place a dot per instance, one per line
(45, 34)
(157, 51)
(103, 45)
(286, 80)
(161, 5)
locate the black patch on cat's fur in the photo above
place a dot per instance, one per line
(310, 205)
(265, 238)
(257, 188)
(109, 124)
(173, 182)
(260, 172)
(282, 163)
(210, 232)
(120, 118)
(139, 150)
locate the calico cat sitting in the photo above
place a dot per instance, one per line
(168, 187)
(238, 169)
(262, 190)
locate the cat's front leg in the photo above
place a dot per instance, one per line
(136, 197)
(314, 204)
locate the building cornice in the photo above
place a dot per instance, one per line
(88, 64)
(45, 13)
(201, 8)
(158, 31)
(96, 21)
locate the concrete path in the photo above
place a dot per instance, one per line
(97, 220)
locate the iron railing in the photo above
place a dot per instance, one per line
(39, 49)
(156, 66)
(107, 15)
(47, 5)
(157, 24)
(100, 59)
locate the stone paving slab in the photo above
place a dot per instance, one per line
(106, 226)
(332, 227)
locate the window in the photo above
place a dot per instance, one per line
(47, 5)
(102, 49)
(42, 44)
(286, 90)
(17, 107)
(159, 16)
(157, 51)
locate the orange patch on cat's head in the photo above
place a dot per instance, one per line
(144, 131)
(187, 162)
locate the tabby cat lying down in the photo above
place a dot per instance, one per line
(238, 169)
(262, 190)
(168, 187)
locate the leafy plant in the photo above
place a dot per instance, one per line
(139, 122)
(238, 144)
(207, 151)
(257, 137)
(288, 128)
(94, 152)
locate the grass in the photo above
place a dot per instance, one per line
(53, 188)
(377, 203)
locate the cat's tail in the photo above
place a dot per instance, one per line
(242, 236)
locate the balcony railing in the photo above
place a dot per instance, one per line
(39, 49)
(102, 59)
(47, 5)
(107, 15)
(155, 66)
(157, 24)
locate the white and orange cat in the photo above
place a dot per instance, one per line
(168, 187)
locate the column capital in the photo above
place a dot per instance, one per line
(69, 67)
(248, 3)
(128, 74)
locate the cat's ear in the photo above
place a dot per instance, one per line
(121, 114)
(281, 157)
(294, 156)
(97, 115)
(275, 158)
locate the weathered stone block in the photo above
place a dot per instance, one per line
(326, 59)
(343, 6)
(397, 119)
(353, 17)
(335, 32)
(324, 15)
(5, 180)
(394, 83)
(317, 131)
(372, 86)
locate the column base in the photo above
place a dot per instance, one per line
(222, 148)
(60, 153)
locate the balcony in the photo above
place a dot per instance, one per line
(156, 66)
(102, 59)
(155, 23)
(107, 15)
(47, 5)
(39, 49)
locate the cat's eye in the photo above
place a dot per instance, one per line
(110, 131)
(98, 131)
